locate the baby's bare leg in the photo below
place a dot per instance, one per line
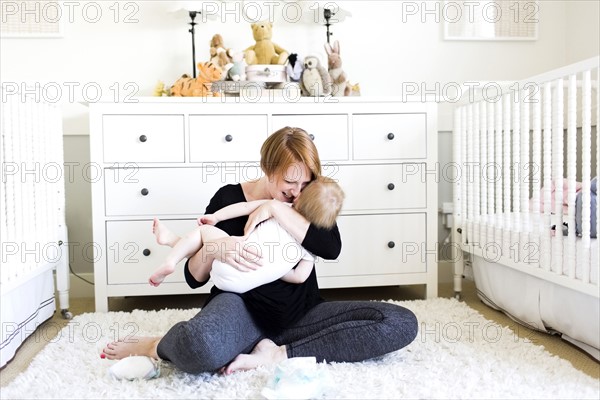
(185, 247)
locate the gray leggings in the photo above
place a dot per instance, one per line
(333, 331)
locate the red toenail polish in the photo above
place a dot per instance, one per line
(102, 355)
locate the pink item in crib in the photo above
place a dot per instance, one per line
(565, 187)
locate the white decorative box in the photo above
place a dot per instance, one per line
(266, 73)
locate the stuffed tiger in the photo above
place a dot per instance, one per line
(200, 86)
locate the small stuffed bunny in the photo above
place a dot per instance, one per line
(338, 76)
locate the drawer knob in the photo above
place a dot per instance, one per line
(146, 252)
(145, 192)
(390, 136)
(311, 136)
(391, 244)
(391, 186)
(143, 138)
(228, 138)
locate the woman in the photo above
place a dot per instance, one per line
(278, 320)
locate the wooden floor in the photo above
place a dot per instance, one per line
(553, 344)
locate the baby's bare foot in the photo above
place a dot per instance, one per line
(160, 274)
(164, 236)
(134, 346)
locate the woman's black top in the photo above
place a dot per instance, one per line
(278, 304)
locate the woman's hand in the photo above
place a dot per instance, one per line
(232, 250)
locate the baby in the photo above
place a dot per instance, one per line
(320, 203)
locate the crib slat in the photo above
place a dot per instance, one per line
(470, 198)
(498, 222)
(597, 168)
(483, 186)
(506, 175)
(490, 171)
(547, 176)
(515, 181)
(475, 170)
(463, 142)
(525, 175)
(586, 162)
(557, 174)
(571, 258)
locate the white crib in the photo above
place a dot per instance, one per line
(33, 230)
(509, 154)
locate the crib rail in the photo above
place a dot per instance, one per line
(32, 199)
(511, 151)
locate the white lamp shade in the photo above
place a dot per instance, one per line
(209, 10)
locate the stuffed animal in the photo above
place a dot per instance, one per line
(219, 55)
(159, 89)
(340, 86)
(354, 89)
(294, 67)
(237, 71)
(200, 86)
(264, 50)
(315, 80)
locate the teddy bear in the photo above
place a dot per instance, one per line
(219, 55)
(200, 86)
(264, 50)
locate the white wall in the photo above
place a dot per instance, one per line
(583, 33)
(382, 48)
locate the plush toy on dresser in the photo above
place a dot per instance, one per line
(237, 71)
(294, 67)
(340, 85)
(315, 80)
(264, 51)
(219, 55)
(201, 86)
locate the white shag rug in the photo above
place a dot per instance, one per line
(457, 354)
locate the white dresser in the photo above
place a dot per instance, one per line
(166, 157)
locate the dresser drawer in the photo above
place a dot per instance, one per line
(389, 136)
(379, 244)
(133, 254)
(380, 187)
(169, 191)
(143, 138)
(227, 137)
(329, 132)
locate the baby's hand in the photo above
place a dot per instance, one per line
(208, 219)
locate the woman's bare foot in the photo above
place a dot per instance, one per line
(161, 273)
(266, 352)
(135, 346)
(164, 236)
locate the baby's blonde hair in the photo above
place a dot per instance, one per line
(321, 202)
